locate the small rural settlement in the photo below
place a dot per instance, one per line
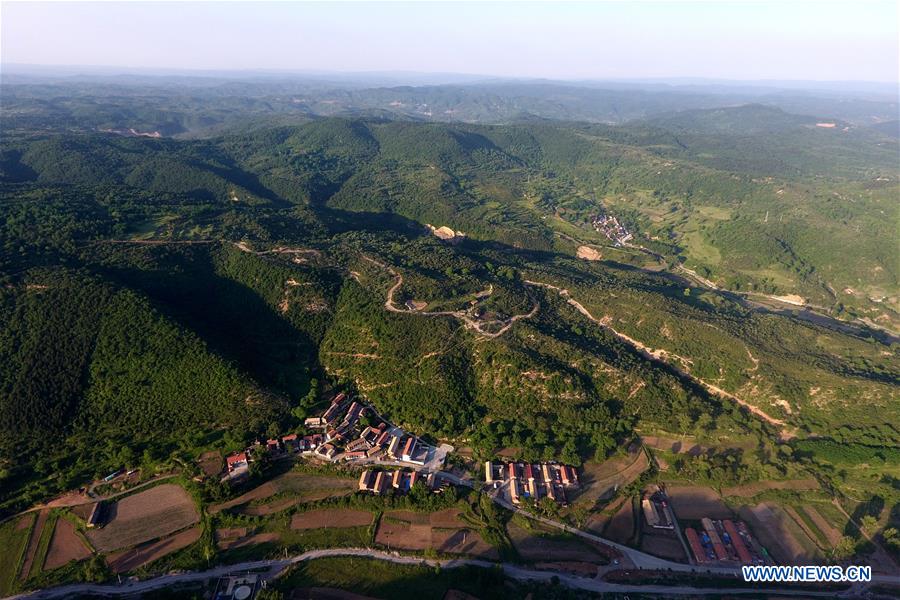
(349, 478)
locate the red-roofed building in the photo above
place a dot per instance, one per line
(408, 449)
(236, 461)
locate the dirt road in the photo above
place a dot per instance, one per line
(664, 357)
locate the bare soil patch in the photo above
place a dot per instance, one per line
(337, 518)
(588, 253)
(535, 547)
(462, 541)
(65, 546)
(145, 516)
(211, 463)
(752, 489)
(131, 559)
(33, 544)
(601, 480)
(229, 539)
(448, 518)
(402, 534)
(82, 511)
(696, 502)
(621, 526)
(769, 525)
(663, 546)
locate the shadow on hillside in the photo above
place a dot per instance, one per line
(232, 319)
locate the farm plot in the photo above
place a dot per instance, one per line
(539, 544)
(291, 488)
(442, 531)
(598, 521)
(335, 518)
(211, 463)
(695, 502)
(237, 537)
(831, 534)
(773, 528)
(128, 560)
(620, 527)
(145, 516)
(65, 546)
(601, 480)
(752, 489)
(664, 546)
(33, 543)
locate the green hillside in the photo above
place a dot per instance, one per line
(151, 286)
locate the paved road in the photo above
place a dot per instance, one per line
(276, 566)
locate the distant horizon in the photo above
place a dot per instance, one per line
(163, 71)
(764, 40)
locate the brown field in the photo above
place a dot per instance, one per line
(236, 537)
(532, 546)
(65, 546)
(599, 520)
(145, 516)
(402, 534)
(128, 560)
(600, 480)
(833, 535)
(82, 511)
(211, 463)
(663, 546)
(462, 541)
(33, 543)
(441, 530)
(448, 518)
(303, 488)
(695, 502)
(621, 526)
(335, 517)
(752, 489)
(770, 526)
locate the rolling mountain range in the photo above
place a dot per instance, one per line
(151, 285)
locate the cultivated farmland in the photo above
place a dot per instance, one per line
(314, 519)
(128, 560)
(145, 516)
(65, 546)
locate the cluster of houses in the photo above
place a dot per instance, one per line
(533, 481)
(341, 438)
(399, 481)
(609, 226)
(344, 440)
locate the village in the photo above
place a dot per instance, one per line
(610, 226)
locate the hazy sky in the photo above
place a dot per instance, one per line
(851, 40)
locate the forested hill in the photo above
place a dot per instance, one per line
(159, 295)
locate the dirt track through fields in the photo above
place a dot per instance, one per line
(33, 544)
